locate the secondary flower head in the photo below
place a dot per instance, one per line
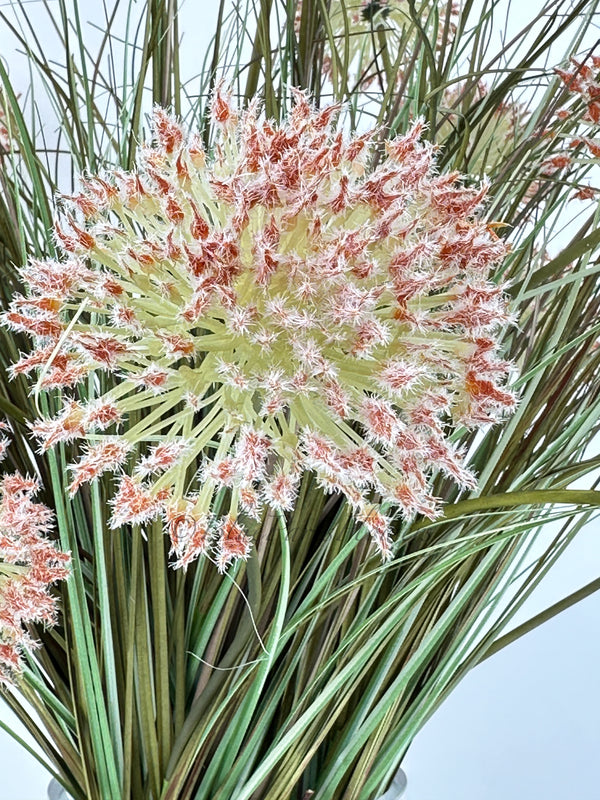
(5, 137)
(582, 79)
(375, 36)
(268, 308)
(29, 564)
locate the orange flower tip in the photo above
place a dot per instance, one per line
(66, 427)
(134, 503)
(233, 543)
(378, 525)
(108, 455)
(280, 491)
(4, 444)
(168, 133)
(250, 502)
(103, 349)
(221, 109)
(101, 414)
(191, 534)
(161, 457)
(585, 193)
(154, 378)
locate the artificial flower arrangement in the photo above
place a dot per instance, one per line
(266, 375)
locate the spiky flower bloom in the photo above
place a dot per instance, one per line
(268, 309)
(29, 564)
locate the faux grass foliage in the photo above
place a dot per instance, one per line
(296, 375)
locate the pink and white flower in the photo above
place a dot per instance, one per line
(272, 308)
(29, 564)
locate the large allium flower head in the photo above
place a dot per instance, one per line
(272, 307)
(29, 564)
(376, 25)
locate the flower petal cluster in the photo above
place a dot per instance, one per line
(29, 564)
(268, 308)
